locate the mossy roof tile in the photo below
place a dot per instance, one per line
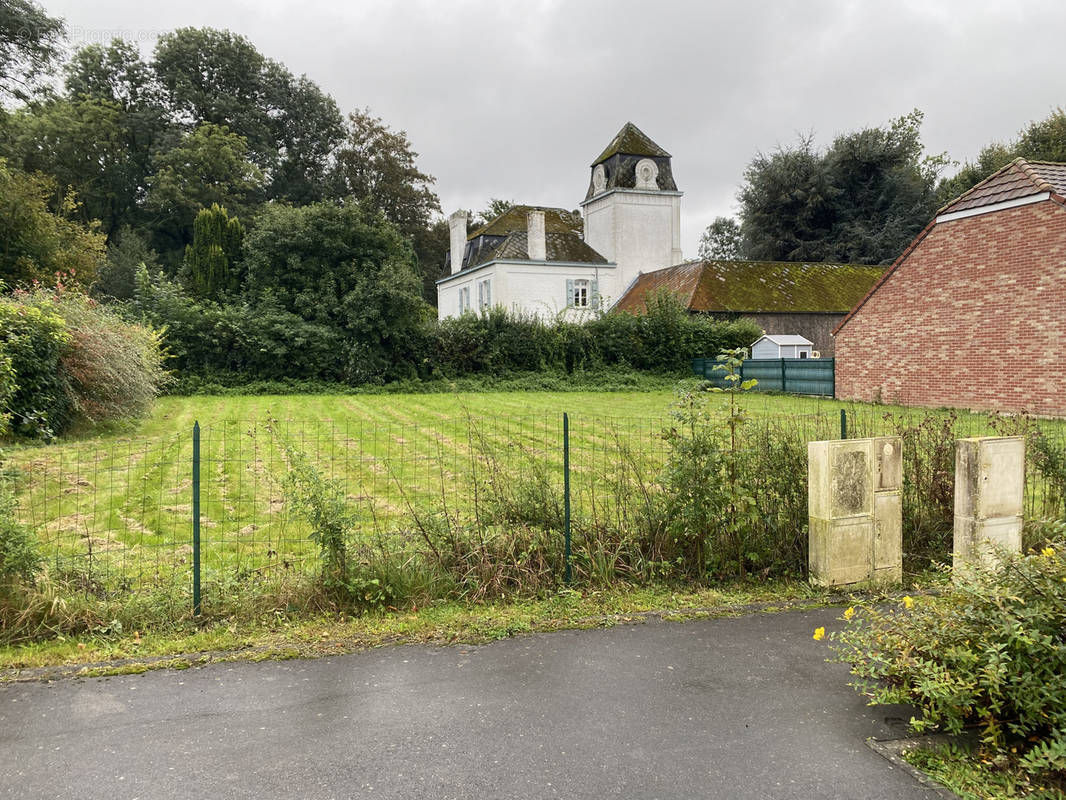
(558, 247)
(556, 220)
(631, 141)
(756, 286)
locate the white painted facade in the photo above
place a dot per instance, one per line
(639, 230)
(531, 288)
(635, 226)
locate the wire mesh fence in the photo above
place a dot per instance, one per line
(117, 516)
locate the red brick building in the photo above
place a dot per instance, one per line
(973, 314)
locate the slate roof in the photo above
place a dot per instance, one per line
(756, 286)
(627, 149)
(506, 238)
(1018, 179)
(556, 220)
(558, 247)
(631, 141)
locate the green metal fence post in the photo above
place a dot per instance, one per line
(196, 519)
(843, 424)
(784, 386)
(566, 496)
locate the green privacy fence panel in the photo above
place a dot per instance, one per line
(796, 375)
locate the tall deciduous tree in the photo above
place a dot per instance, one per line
(376, 167)
(290, 125)
(721, 239)
(38, 240)
(84, 145)
(118, 77)
(1043, 140)
(29, 45)
(210, 166)
(495, 207)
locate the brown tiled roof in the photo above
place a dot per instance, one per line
(756, 286)
(1018, 179)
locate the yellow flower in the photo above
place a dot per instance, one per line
(908, 602)
(1048, 552)
(849, 613)
(819, 634)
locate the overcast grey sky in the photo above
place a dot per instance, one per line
(514, 99)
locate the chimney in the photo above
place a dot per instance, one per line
(457, 230)
(535, 232)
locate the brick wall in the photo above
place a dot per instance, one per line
(974, 317)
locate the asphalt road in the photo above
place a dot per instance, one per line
(728, 708)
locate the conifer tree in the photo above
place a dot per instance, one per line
(212, 259)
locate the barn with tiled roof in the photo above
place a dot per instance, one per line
(782, 297)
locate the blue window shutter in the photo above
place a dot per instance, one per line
(594, 291)
(569, 292)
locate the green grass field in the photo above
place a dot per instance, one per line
(118, 504)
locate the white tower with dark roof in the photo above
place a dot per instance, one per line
(632, 210)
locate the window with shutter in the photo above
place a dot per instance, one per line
(579, 293)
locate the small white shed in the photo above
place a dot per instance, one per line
(782, 346)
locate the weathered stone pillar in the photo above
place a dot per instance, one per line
(888, 511)
(989, 497)
(855, 508)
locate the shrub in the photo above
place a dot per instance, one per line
(33, 339)
(714, 515)
(990, 652)
(258, 337)
(71, 358)
(19, 558)
(240, 340)
(928, 482)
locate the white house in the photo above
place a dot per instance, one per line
(549, 261)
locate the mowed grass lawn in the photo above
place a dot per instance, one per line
(175, 414)
(119, 503)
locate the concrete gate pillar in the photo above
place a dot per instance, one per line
(989, 497)
(856, 511)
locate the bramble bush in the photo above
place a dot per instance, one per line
(991, 652)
